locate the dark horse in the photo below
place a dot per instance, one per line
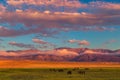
(69, 72)
(81, 72)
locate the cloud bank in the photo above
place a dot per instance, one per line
(52, 17)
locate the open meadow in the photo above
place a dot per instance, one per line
(36, 70)
(60, 74)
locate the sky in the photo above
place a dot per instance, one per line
(49, 24)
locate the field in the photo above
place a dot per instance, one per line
(42, 64)
(36, 70)
(61, 74)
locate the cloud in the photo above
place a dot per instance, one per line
(80, 42)
(84, 42)
(73, 41)
(66, 3)
(35, 40)
(6, 32)
(21, 45)
(59, 20)
(56, 3)
(105, 5)
(109, 42)
(15, 2)
(2, 8)
(105, 9)
(43, 44)
(48, 22)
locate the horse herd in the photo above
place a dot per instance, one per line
(70, 71)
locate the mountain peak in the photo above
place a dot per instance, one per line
(64, 54)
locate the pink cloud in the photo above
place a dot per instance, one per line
(35, 40)
(52, 22)
(21, 45)
(73, 41)
(84, 42)
(56, 22)
(43, 44)
(57, 3)
(66, 3)
(7, 32)
(2, 8)
(80, 42)
(61, 20)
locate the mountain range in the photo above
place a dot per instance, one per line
(64, 54)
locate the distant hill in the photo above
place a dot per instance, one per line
(64, 54)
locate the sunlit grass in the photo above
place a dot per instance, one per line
(42, 64)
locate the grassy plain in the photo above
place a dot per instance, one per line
(47, 74)
(36, 70)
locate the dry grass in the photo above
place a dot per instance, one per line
(39, 64)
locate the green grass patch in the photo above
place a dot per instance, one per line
(61, 74)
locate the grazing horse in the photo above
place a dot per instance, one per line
(69, 72)
(52, 70)
(81, 72)
(76, 68)
(86, 68)
(60, 70)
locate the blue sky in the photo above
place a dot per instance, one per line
(83, 23)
